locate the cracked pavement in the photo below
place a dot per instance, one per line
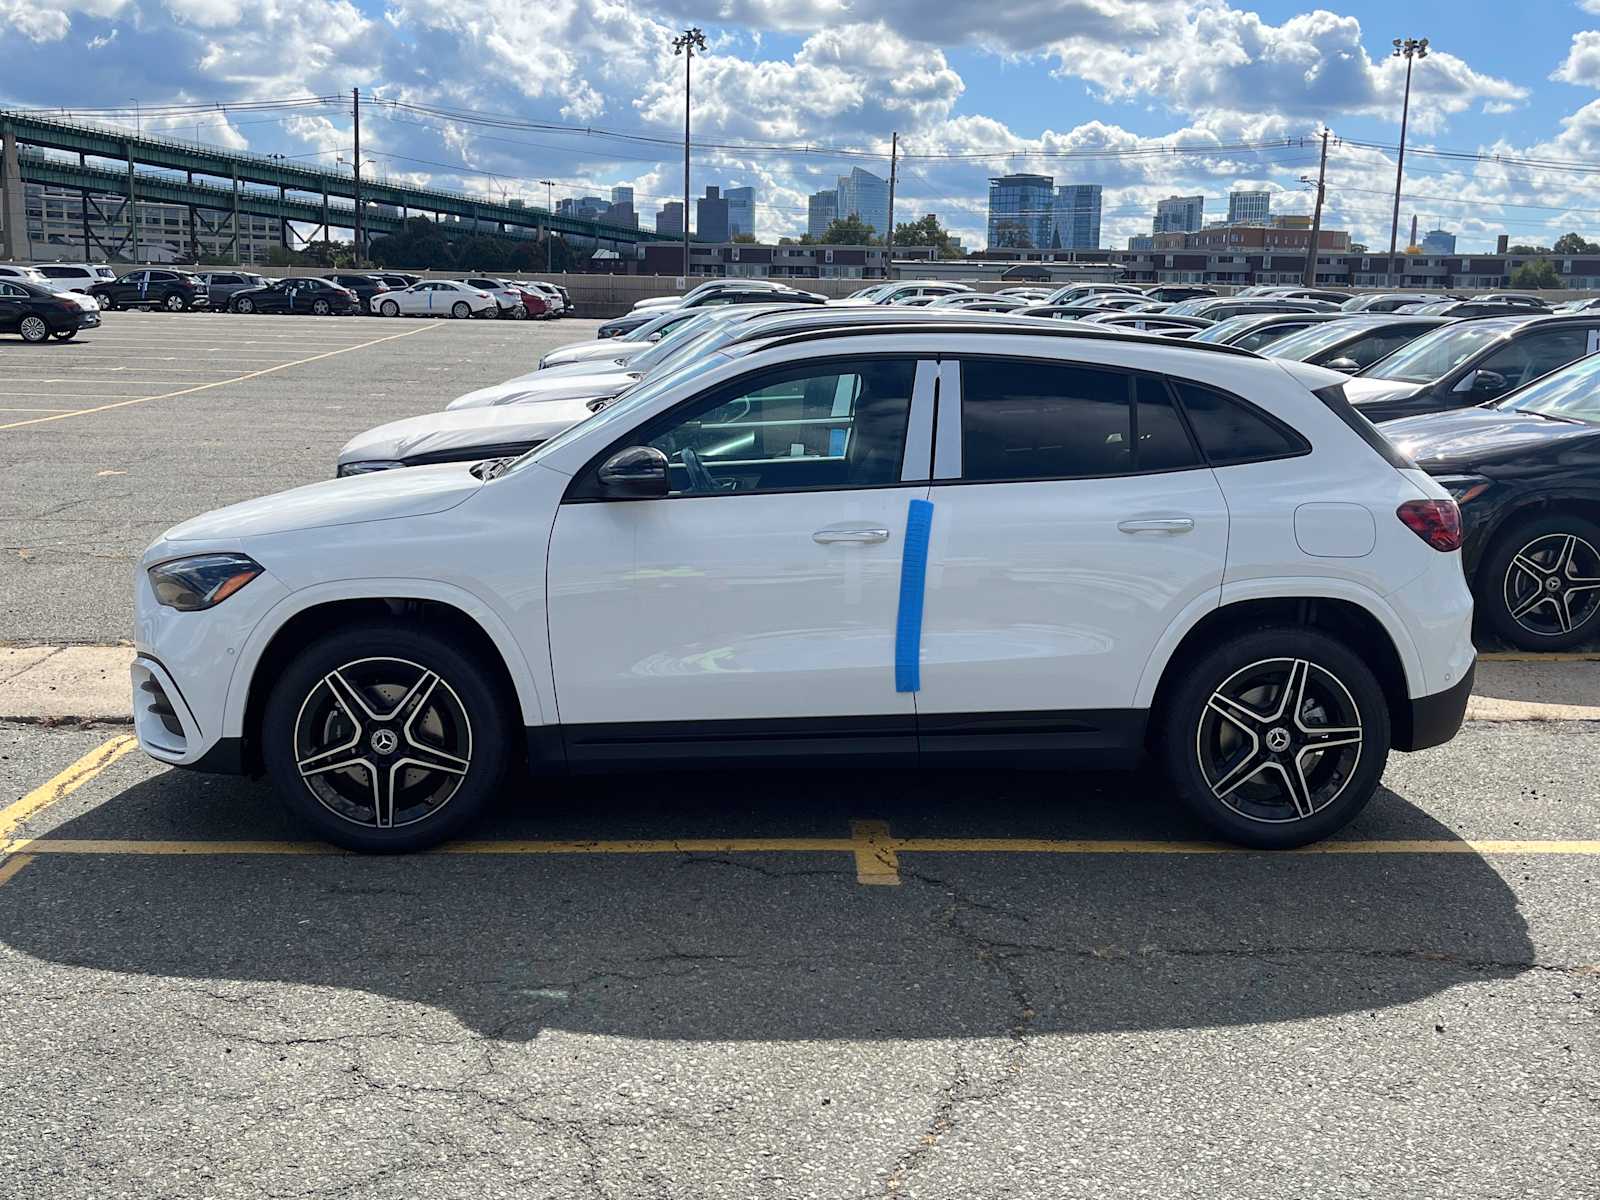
(760, 1025)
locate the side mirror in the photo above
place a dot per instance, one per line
(1348, 365)
(1489, 383)
(637, 472)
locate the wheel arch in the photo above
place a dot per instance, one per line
(1529, 506)
(1357, 625)
(303, 616)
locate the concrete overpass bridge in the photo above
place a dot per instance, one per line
(219, 186)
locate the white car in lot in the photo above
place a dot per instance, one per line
(438, 298)
(1014, 545)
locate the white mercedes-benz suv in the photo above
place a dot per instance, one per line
(936, 545)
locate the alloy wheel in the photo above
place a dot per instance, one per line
(244, 306)
(1279, 740)
(175, 303)
(34, 329)
(1552, 585)
(383, 742)
(321, 308)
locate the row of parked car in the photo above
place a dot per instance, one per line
(379, 293)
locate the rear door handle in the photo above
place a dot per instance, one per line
(856, 536)
(1157, 525)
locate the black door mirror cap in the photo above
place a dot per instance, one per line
(635, 473)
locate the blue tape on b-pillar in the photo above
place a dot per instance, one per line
(913, 578)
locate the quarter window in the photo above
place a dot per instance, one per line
(821, 426)
(1029, 420)
(1231, 431)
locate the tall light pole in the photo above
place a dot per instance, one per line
(138, 117)
(549, 230)
(686, 44)
(1409, 49)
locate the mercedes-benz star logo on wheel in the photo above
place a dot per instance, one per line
(385, 741)
(1277, 740)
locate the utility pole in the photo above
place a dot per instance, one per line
(550, 207)
(356, 112)
(687, 43)
(888, 238)
(1316, 215)
(1409, 49)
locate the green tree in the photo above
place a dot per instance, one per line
(1537, 274)
(1523, 249)
(926, 232)
(1572, 243)
(745, 239)
(849, 231)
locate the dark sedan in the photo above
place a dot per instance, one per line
(364, 286)
(1467, 363)
(174, 291)
(297, 294)
(39, 314)
(1350, 344)
(1526, 474)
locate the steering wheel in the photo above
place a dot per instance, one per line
(700, 479)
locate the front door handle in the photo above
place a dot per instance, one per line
(857, 536)
(1157, 525)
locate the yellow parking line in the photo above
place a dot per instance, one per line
(61, 786)
(10, 868)
(877, 860)
(1552, 656)
(217, 383)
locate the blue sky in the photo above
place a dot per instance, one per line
(1033, 84)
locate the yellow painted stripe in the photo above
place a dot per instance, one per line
(874, 846)
(877, 862)
(63, 785)
(188, 391)
(12, 865)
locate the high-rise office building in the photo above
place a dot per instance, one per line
(711, 217)
(1249, 208)
(1438, 241)
(863, 194)
(1022, 211)
(622, 195)
(1179, 214)
(822, 209)
(669, 217)
(741, 210)
(1077, 217)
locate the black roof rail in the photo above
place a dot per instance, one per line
(1055, 329)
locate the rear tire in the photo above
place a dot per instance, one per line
(1241, 730)
(1539, 585)
(34, 330)
(65, 335)
(423, 727)
(176, 302)
(461, 310)
(321, 308)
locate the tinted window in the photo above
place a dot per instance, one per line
(1026, 420)
(11, 291)
(226, 279)
(161, 276)
(1231, 431)
(834, 425)
(1527, 358)
(1257, 338)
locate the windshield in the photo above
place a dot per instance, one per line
(656, 325)
(1434, 355)
(619, 410)
(671, 343)
(1573, 391)
(1223, 332)
(1302, 345)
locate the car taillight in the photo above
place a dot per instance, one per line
(1437, 522)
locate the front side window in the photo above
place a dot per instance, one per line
(1028, 420)
(814, 427)
(1527, 358)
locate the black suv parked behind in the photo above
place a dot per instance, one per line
(364, 286)
(174, 291)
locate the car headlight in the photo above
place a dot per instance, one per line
(367, 466)
(1464, 488)
(201, 581)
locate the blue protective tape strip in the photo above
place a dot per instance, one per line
(913, 579)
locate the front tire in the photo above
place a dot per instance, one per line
(387, 738)
(389, 308)
(34, 330)
(461, 310)
(1276, 738)
(244, 305)
(1539, 585)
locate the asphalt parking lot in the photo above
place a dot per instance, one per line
(759, 985)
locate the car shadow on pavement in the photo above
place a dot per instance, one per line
(783, 945)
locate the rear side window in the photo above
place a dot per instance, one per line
(1030, 420)
(1232, 432)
